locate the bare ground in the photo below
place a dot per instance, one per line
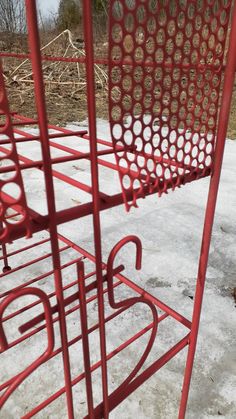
(66, 103)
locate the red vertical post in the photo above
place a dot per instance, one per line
(210, 209)
(88, 39)
(34, 44)
(85, 338)
(6, 267)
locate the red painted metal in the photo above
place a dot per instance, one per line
(9, 157)
(167, 66)
(17, 380)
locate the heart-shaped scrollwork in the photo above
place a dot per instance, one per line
(4, 345)
(129, 302)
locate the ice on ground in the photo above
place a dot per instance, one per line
(170, 229)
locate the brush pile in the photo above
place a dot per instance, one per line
(64, 81)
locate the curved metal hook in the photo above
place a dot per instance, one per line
(129, 302)
(17, 380)
(122, 243)
(110, 269)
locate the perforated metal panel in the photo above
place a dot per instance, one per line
(165, 66)
(69, 312)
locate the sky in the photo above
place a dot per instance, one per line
(47, 6)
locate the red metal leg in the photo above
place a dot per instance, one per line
(172, 126)
(210, 211)
(34, 43)
(88, 38)
(85, 340)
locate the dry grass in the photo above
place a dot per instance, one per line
(65, 85)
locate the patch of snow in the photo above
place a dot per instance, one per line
(170, 229)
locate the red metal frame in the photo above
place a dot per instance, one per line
(165, 73)
(137, 31)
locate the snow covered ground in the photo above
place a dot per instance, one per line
(170, 229)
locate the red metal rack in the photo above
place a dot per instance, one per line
(170, 88)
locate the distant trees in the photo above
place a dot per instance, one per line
(100, 15)
(100, 6)
(12, 16)
(69, 14)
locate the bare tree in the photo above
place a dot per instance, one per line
(69, 14)
(100, 6)
(47, 23)
(12, 16)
